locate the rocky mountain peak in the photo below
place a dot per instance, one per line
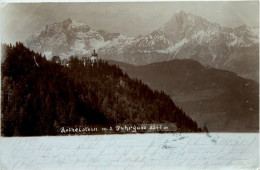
(183, 20)
(184, 36)
(185, 25)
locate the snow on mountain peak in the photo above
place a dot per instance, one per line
(184, 36)
(75, 24)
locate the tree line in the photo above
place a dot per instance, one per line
(39, 95)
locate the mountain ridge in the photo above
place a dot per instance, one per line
(219, 99)
(40, 96)
(183, 36)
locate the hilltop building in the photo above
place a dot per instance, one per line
(94, 56)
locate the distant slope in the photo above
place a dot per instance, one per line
(39, 96)
(219, 99)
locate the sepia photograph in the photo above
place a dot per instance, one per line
(130, 85)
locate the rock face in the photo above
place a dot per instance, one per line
(184, 36)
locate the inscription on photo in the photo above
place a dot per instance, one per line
(127, 128)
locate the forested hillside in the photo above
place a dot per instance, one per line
(218, 99)
(40, 95)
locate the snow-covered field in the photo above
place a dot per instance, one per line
(132, 151)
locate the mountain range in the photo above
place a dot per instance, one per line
(184, 36)
(218, 99)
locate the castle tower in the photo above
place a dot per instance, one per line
(94, 56)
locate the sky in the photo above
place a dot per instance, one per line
(20, 20)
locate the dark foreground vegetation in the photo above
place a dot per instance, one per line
(38, 95)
